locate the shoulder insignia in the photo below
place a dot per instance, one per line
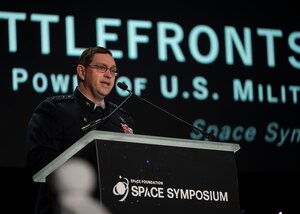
(60, 98)
(115, 106)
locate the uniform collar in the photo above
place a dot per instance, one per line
(87, 102)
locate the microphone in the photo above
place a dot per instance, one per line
(207, 135)
(94, 124)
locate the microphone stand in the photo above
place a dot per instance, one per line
(209, 136)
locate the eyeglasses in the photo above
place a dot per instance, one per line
(103, 68)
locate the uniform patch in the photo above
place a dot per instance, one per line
(126, 128)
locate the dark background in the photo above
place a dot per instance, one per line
(268, 175)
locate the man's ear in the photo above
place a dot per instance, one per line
(81, 72)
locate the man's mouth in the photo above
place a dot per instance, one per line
(105, 82)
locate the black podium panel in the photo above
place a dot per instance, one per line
(144, 178)
(115, 173)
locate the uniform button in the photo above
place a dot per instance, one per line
(87, 103)
(85, 119)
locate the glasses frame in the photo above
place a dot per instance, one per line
(102, 68)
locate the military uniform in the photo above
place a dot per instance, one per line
(57, 123)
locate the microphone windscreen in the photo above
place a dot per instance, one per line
(122, 85)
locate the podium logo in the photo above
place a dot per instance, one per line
(121, 188)
(155, 189)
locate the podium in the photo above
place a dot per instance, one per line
(107, 172)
